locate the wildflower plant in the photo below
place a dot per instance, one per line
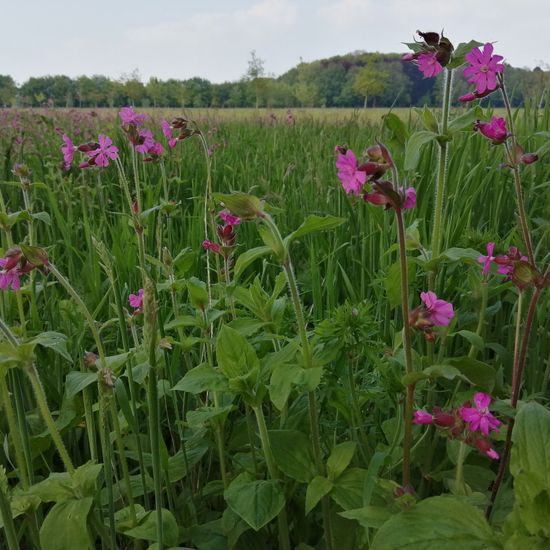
(182, 365)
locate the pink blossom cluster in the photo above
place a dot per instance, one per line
(226, 234)
(15, 263)
(354, 177)
(482, 71)
(471, 424)
(98, 153)
(432, 54)
(136, 301)
(431, 313)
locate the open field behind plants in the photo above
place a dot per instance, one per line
(185, 417)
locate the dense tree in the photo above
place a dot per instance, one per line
(341, 81)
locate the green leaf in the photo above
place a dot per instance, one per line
(339, 459)
(200, 379)
(397, 126)
(479, 373)
(236, 357)
(393, 281)
(273, 242)
(76, 381)
(64, 528)
(246, 258)
(207, 415)
(475, 339)
(348, 488)
(292, 452)
(147, 529)
(57, 487)
(257, 502)
(530, 466)
(198, 295)
(280, 384)
(316, 490)
(466, 120)
(85, 477)
(43, 217)
(428, 119)
(312, 224)
(53, 340)
(369, 517)
(459, 254)
(414, 145)
(442, 523)
(433, 372)
(245, 206)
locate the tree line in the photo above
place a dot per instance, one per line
(358, 79)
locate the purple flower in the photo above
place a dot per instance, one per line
(129, 117)
(228, 218)
(136, 300)
(167, 131)
(483, 68)
(486, 260)
(410, 197)
(68, 150)
(352, 179)
(145, 141)
(495, 130)
(479, 418)
(105, 151)
(440, 312)
(428, 64)
(9, 276)
(422, 417)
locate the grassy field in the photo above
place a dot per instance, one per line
(348, 281)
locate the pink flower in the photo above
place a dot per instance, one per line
(352, 179)
(68, 150)
(228, 218)
(410, 197)
(167, 131)
(507, 261)
(10, 275)
(486, 260)
(145, 141)
(440, 312)
(136, 300)
(156, 149)
(491, 453)
(428, 64)
(495, 130)
(129, 117)
(209, 245)
(483, 68)
(422, 417)
(479, 417)
(105, 151)
(471, 96)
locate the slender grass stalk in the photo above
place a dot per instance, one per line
(409, 398)
(472, 354)
(5, 511)
(441, 181)
(282, 520)
(515, 171)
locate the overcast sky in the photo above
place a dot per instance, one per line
(213, 38)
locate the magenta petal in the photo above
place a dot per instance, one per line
(482, 400)
(487, 53)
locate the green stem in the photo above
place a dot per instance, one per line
(440, 186)
(9, 527)
(459, 474)
(481, 321)
(14, 433)
(42, 403)
(282, 521)
(409, 398)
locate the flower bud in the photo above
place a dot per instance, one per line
(529, 158)
(90, 358)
